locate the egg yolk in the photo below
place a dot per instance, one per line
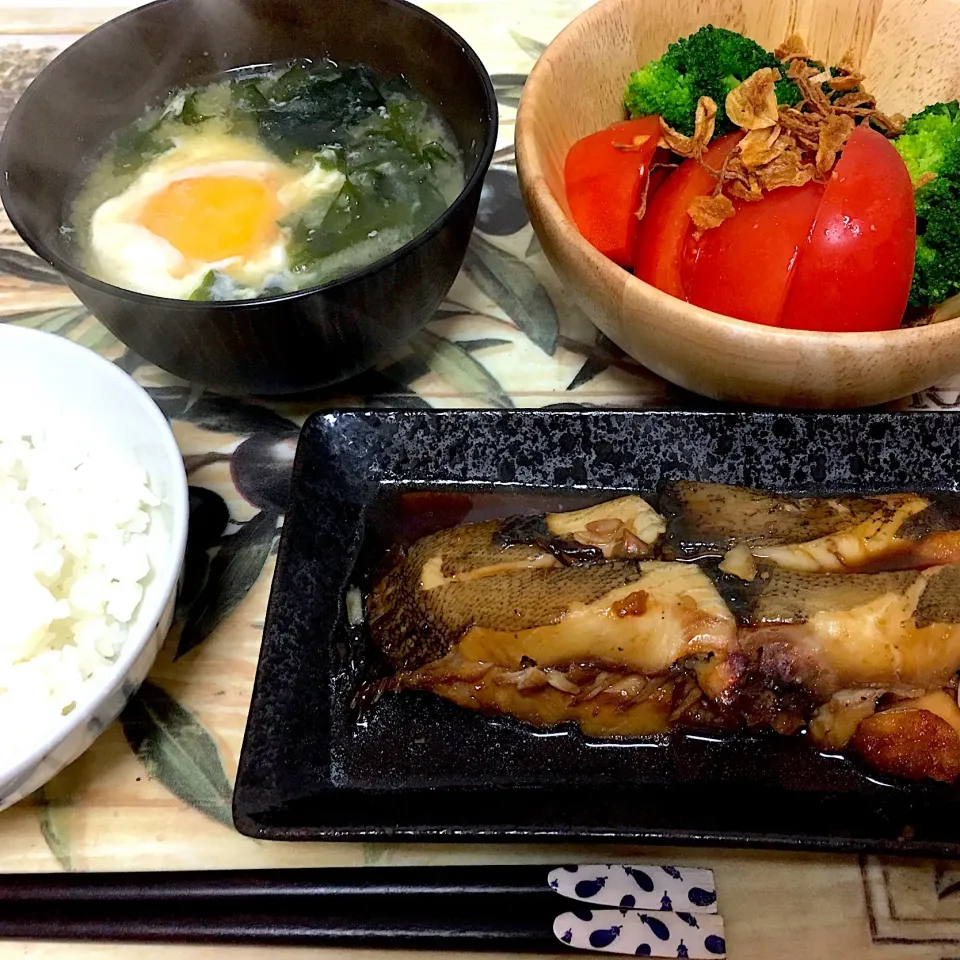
(214, 218)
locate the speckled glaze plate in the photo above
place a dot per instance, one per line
(417, 767)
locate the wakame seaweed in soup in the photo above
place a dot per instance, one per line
(258, 185)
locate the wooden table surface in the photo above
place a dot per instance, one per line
(506, 337)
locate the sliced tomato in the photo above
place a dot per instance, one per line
(855, 269)
(741, 268)
(605, 175)
(663, 231)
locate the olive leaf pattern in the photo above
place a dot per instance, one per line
(458, 367)
(96, 337)
(528, 45)
(588, 370)
(232, 572)
(209, 516)
(390, 387)
(508, 87)
(60, 320)
(27, 266)
(514, 287)
(220, 414)
(605, 354)
(501, 211)
(472, 346)
(178, 751)
(53, 815)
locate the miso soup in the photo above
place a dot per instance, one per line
(257, 185)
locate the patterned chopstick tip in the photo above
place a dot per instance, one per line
(644, 934)
(689, 889)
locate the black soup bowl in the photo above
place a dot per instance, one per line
(281, 344)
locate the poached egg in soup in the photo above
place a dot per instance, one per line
(211, 204)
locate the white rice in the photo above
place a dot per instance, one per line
(73, 557)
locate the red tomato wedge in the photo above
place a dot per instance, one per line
(855, 269)
(604, 183)
(741, 268)
(660, 238)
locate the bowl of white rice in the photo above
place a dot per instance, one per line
(93, 527)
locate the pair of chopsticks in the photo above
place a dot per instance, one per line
(657, 911)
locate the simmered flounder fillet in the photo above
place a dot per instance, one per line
(809, 534)
(621, 648)
(433, 593)
(476, 600)
(830, 632)
(838, 615)
(637, 617)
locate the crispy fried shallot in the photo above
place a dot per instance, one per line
(709, 212)
(753, 104)
(762, 145)
(705, 122)
(784, 145)
(793, 48)
(833, 135)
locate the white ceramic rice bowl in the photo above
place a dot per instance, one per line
(46, 380)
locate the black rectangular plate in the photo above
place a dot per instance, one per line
(421, 768)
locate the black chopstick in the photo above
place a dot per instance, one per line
(454, 908)
(422, 928)
(327, 882)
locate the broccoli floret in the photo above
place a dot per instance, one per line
(936, 270)
(930, 142)
(662, 89)
(708, 63)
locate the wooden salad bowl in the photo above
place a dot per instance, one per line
(910, 53)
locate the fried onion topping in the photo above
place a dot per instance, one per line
(704, 125)
(753, 104)
(783, 145)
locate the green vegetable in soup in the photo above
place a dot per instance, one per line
(138, 144)
(311, 104)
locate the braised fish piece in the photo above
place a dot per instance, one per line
(626, 616)
(808, 534)
(830, 632)
(432, 593)
(835, 722)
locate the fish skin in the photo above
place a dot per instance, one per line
(784, 596)
(940, 602)
(403, 624)
(705, 520)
